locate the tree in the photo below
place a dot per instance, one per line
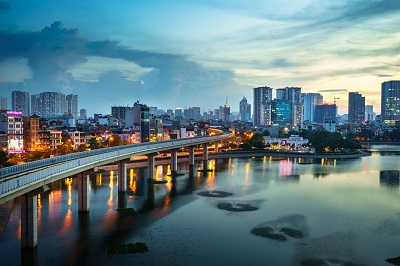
(3, 159)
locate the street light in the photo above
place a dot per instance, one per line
(109, 140)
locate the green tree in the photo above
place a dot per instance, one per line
(3, 159)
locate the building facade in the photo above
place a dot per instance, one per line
(323, 111)
(20, 102)
(12, 124)
(72, 105)
(390, 102)
(245, 110)
(47, 104)
(3, 103)
(293, 96)
(309, 101)
(280, 113)
(262, 98)
(356, 109)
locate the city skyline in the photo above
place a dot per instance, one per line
(166, 54)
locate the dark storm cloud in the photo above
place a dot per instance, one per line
(53, 51)
(4, 7)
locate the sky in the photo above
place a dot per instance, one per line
(204, 53)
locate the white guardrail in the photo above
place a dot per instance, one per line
(18, 177)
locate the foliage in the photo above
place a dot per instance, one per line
(323, 140)
(266, 133)
(4, 159)
(256, 141)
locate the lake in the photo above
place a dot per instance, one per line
(247, 211)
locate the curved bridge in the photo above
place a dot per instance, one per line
(21, 179)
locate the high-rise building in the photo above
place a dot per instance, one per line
(356, 108)
(139, 116)
(178, 112)
(20, 102)
(119, 112)
(390, 102)
(72, 105)
(262, 98)
(309, 101)
(293, 96)
(323, 111)
(280, 112)
(82, 114)
(245, 110)
(192, 113)
(369, 113)
(48, 104)
(3, 103)
(226, 113)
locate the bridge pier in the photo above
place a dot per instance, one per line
(205, 155)
(122, 181)
(83, 193)
(191, 156)
(29, 235)
(174, 161)
(216, 146)
(150, 165)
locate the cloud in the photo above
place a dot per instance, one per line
(166, 80)
(333, 90)
(4, 7)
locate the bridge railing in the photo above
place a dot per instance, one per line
(72, 161)
(15, 169)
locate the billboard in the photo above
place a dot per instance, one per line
(15, 146)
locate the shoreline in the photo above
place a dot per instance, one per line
(239, 154)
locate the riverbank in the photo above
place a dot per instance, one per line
(141, 163)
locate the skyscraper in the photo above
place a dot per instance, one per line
(82, 114)
(369, 113)
(323, 111)
(20, 102)
(390, 102)
(245, 110)
(3, 103)
(48, 104)
(293, 96)
(280, 112)
(309, 101)
(356, 108)
(72, 105)
(262, 98)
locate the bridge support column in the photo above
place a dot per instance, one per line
(122, 181)
(205, 156)
(216, 146)
(174, 161)
(83, 193)
(29, 236)
(205, 151)
(150, 166)
(191, 155)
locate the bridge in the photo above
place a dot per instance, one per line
(30, 179)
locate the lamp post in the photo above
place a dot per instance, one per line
(68, 143)
(109, 140)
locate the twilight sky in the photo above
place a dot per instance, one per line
(180, 53)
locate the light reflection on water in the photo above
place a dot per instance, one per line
(347, 207)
